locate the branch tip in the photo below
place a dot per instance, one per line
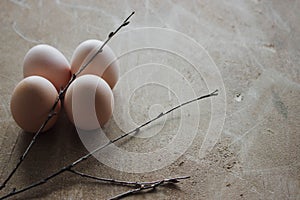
(214, 93)
(129, 17)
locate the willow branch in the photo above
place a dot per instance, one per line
(60, 97)
(149, 186)
(125, 183)
(70, 166)
(110, 35)
(138, 186)
(136, 130)
(106, 180)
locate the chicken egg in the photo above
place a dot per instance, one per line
(31, 101)
(89, 102)
(46, 61)
(104, 65)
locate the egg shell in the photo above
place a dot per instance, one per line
(31, 102)
(89, 102)
(104, 65)
(46, 61)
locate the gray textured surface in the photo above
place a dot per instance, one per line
(254, 44)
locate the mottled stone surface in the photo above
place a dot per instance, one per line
(251, 47)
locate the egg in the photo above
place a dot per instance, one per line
(46, 61)
(89, 102)
(31, 101)
(104, 65)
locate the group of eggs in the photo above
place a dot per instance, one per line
(46, 71)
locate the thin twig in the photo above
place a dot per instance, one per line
(138, 186)
(126, 183)
(70, 166)
(136, 130)
(149, 186)
(110, 35)
(60, 97)
(106, 180)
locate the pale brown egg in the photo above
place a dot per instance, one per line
(31, 101)
(46, 61)
(104, 65)
(89, 102)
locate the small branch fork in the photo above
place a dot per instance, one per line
(59, 98)
(139, 188)
(149, 186)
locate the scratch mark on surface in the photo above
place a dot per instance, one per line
(92, 29)
(79, 6)
(245, 45)
(14, 26)
(13, 148)
(10, 154)
(238, 111)
(248, 131)
(6, 77)
(277, 19)
(20, 3)
(3, 108)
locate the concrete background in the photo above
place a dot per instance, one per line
(255, 46)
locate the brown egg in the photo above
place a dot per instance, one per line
(104, 65)
(46, 61)
(89, 102)
(31, 102)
